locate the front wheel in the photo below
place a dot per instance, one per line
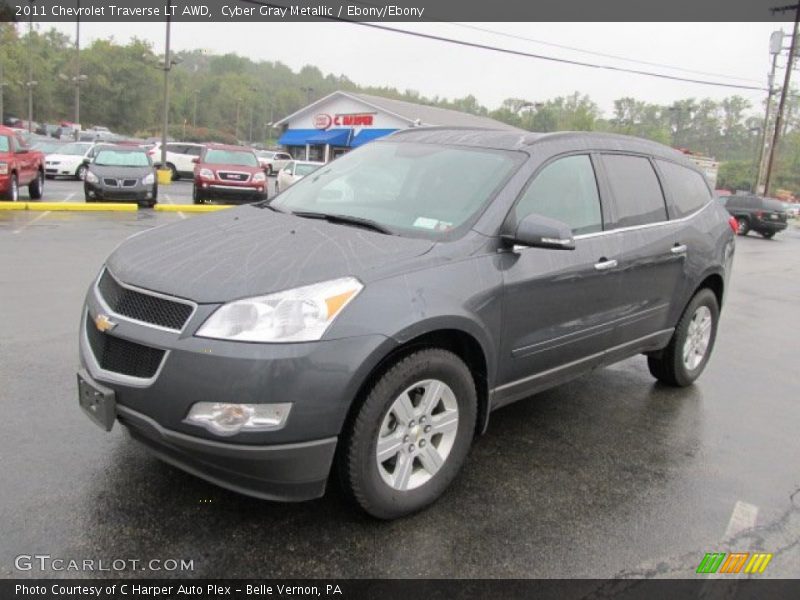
(80, 173)
(768, 234)
(13, 189)
(36, 187)
(196, 196)
(411, 435)
(687, 354)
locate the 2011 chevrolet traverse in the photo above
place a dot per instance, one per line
(370, 318)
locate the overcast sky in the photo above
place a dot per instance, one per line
(372, 57)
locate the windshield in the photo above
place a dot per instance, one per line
(231, 157)
(422, 190)
(75, 149)
(121, 158)
(48, 147)
(301, 169)
(5, 145)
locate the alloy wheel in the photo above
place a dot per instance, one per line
(417, 434)
(698, 337)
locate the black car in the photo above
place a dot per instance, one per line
(766, 216)
(121, 174)
(369, 319)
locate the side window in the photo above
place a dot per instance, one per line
(194, 150)
(638, 198)
(687, 189)
(565, 190)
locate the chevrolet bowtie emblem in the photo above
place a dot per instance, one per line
(103, 323)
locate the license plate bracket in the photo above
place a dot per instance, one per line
(97, 401)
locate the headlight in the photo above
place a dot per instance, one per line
(259, 178)
(206, 174)
(149, 179)
(3, 168)
(91, 177)
(299, 315)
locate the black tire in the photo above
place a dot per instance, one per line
(36, 187)
(744, 225)
(87, 198)
(768, 234)
(196, 196)
(80, 172)
(357, 465)
(175, 176)
(270, 172)
(668, 366)
(13, 189)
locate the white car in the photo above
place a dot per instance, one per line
(273, 161)
(180, 157)
(68, 160)
(792, 209)
(294, 171)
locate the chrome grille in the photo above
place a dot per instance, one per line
(141, 306)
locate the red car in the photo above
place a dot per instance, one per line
(230, 173)
(19, 166)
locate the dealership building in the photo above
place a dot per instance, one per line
(342, 121)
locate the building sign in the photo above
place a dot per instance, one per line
(324, 121)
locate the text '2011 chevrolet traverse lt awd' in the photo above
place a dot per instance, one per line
(368, 320)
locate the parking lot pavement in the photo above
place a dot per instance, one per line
(609, 474)
(71, 190)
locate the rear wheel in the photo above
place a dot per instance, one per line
(36, 187)
(411, 435)
(768, 234)
(744, 225)
(196, 196)
(687, 354)
(174, 175)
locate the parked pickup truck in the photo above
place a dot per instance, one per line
(19, 166)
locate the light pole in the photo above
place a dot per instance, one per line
(78, 77)
(167, 67)
(3, 84)
(30, 83)
(194, 109)
(775, 47)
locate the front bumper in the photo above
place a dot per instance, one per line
(287, 472)
(234, 193)
(320, 379)
(139, 193)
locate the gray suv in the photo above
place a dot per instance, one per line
(369, 319)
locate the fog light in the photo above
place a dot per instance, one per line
(221, 418)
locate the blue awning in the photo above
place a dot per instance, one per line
(334, 137)
(301, 137)
(367, 135)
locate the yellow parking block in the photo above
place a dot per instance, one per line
(191, 207)
(84, 206)
(13, 205)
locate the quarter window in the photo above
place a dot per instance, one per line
(687, 188)
(565, 190)
(638, 198)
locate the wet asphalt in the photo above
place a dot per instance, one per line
(611, 474)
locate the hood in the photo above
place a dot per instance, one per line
(223, 167)
(76, 158)
(118, 172)
(250, 251)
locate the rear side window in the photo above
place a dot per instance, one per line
(687, 189)
(565, 190)
(637, 192)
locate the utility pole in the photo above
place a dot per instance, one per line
(30, 83)
(77, 70)
(775, 45)
(784, 93)
(2, 87)
(167, 67)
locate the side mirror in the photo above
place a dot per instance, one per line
(195, 160)
(87, 161)
(542, 232)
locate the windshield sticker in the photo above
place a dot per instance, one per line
(433, 224)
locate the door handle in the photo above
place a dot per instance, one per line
(605, 264)
(678, 249)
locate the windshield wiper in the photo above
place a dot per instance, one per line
(345, 220)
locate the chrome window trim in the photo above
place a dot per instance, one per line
(102, 302)
(102, 374)
(645, 225)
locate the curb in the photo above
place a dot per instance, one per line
(69, 206)
(191, 207)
